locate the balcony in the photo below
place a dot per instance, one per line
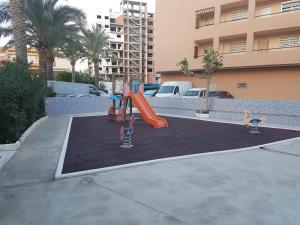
(276, 20)
(205, 17)
(201, 47)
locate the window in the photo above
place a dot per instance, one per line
(238, 46)
(98, 16)
(196, 52)
(106, 17)
(290, 6)
(289, 41)
(100, 68)
(265, 12)
(207, 49)
(209, 21)
(113, 29)
(106, 26)
(239, 15)
(176, 90)
(263, 44)
(118, 36)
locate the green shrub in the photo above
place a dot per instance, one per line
(64, 76)
(50, 92)
(22, 101)
(79, 77)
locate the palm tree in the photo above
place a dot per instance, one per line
(5, 16)
(73, 52)
(17, 9)
(49, 27)
(95, 47)
(212, 62)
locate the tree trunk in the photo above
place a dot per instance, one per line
(17, 8)
(208, 80)
(73, 70)
(43, 65)
(50, 74)
(96, 71)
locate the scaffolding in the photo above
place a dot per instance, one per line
(135, 37)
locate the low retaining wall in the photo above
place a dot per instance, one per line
(277, 111)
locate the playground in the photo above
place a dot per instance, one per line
(122, 138)
(94, 141)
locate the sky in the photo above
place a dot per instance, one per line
(94, 7)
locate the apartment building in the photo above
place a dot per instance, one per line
(259, 41)
(131, 37)
(60, 64)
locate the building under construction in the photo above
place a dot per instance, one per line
(131, 32)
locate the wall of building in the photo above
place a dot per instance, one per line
(178, 36)
(264, 83)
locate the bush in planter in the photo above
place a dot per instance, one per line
(21, 101)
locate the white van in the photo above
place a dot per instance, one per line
(195, 93)
(67, 88)
(173, 88)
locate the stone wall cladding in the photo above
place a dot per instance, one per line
(277, 111)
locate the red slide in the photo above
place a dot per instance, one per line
(147, 111)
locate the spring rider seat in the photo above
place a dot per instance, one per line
(126, 134)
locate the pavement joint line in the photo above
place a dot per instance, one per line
(25, 184)
(91, 181)
(279, 152)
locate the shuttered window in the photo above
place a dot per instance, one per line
(209, 21)
(238, 46)
(239, 15)
(263, 44)
(290, 6)
(289, 41)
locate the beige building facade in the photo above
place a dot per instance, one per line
(259, 41)
(60, 64)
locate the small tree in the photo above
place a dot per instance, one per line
(212, 62)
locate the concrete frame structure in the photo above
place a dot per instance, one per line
(259, 40)
(131, 32)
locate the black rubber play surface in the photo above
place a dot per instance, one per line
(94, 142)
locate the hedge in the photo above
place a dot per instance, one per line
(22, 101)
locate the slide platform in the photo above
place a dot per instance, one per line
(147, 111)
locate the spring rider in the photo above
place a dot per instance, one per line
(254, 123)
(126, 134)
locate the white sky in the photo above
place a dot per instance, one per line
(94, 7)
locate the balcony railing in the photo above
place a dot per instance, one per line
(276, 13)
(233, 20)
(233, 52)
(278, 48)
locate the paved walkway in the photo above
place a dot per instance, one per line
(243, 188)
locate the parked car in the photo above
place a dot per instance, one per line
(67, 88)
(195, 93)
(173, 88)
(150, 93)
(220, 94)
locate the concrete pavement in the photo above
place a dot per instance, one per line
(251, 187)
